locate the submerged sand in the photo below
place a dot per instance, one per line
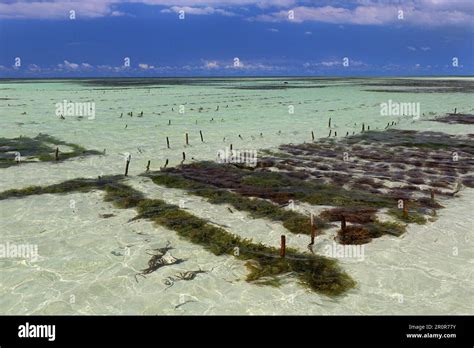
(87, 263)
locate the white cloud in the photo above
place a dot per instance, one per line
(367, 12)
(333, 63)
(145, 66)
(211, 64)
(255, 66)
(361, 12)
(334, 15)
(34, 67)
(411, 48)
(117, 14)
(198, 10)
(308, 33)
(56, 9)
(273, 30)
(68, 65)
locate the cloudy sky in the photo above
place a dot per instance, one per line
(61, 38)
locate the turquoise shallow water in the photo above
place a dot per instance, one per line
(77, 273)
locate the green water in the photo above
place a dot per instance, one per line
(77, 272)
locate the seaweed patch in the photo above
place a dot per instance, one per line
(43, 148)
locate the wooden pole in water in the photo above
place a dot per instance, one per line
(148, 166)
(169, 122)
(184, 156)
(283, 246)
(200, 133)
(166, 163)
(127, 164)
(56, 154)
(167, 142)
(329, 125)
(187, 139)
(455, 109)
(313, 229)
(312, 135)
(230, 147)
(405, 209)
(343, 222)
(363, 127)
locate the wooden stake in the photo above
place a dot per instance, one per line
(363, 127)
(312, 135)
(313, 229)
(127, 164)
(187, 139)
(169, 122)
(56, 154)
(405, 209)
(329, 125)
(148, 166)
(455, 109)
(166, 163)
(230, 147)
(283, 246)
(184, 156)
(202, 139)
(167, 142)
(343, 222)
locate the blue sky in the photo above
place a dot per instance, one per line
(60, 38)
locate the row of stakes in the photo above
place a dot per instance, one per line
(202, 140)
(343, 227)
(168, 146)
(283, 237)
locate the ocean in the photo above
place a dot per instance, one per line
(86, 263)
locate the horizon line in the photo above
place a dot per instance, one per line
(229, 77)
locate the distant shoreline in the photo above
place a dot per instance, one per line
(293, 77)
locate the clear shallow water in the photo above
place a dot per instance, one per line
(77, 273)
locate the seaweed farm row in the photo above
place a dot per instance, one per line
(43, 148)
(368, 185)
(396, 173)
